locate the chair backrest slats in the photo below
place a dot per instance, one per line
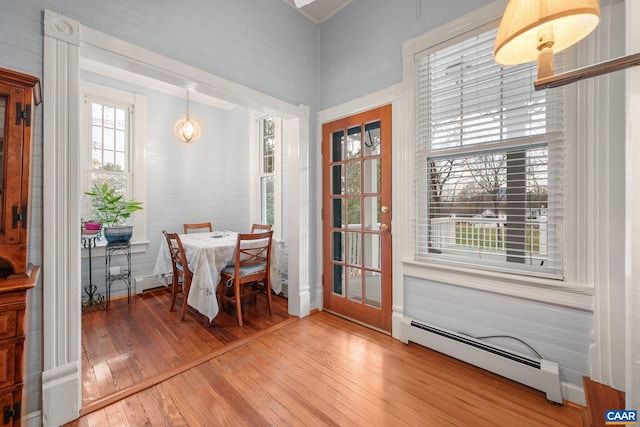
(253, 248)
(257, 228)
(197, 226)
(178, 256)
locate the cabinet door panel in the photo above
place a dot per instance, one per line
(8, 324)
(11, 163)
(7, 364)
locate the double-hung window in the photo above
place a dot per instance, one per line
(488, 162)
(267, 170)
(113, 135)
(110, 142)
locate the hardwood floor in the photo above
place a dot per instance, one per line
(323, 370)
(131, 343)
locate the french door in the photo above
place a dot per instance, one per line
(356, 168)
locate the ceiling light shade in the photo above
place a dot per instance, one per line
(531, 26)
(186, 129)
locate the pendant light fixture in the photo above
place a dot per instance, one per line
(534, 30)
(186, 129)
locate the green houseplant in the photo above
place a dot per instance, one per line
(112, 210)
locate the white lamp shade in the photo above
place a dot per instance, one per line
(518, 36)
(187, 130)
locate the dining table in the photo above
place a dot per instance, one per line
(207, 255)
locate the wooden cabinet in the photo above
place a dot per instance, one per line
(19, 93)
(13, 303)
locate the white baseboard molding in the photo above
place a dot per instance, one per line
(574, 393)
(32, 419)
(61, 394)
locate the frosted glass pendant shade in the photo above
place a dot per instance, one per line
(187, 130)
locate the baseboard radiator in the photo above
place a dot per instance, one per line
(537, 373)
(150, 281)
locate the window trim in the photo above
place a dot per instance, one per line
(257, 174)
(553, 139)
(575, 290)
(95, 92)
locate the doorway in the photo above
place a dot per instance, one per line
(357, 258)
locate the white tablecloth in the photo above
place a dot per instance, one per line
(207, 255)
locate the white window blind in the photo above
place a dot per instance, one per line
(488, 161)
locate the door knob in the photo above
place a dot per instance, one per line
(384, 227)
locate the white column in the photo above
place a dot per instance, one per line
(296, 136)
(632, 273)
(61, 377)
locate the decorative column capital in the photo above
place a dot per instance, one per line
(61, 27)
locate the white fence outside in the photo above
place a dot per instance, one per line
(487, 235)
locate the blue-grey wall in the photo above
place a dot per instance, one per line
(262, 44)
(361, 47)
(361, 53)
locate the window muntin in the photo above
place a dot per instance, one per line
(489, 150)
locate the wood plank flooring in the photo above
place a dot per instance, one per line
(131, 343)
(323, 370)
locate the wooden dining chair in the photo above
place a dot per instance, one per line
(182, 275)
(197, 226)
(250, 273)
(257, 228)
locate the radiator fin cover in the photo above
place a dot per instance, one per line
(540, 374)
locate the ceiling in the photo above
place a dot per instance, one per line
(320, 10)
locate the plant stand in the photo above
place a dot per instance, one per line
(94, 297)
(118, 274)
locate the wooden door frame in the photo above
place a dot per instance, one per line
(401, 160)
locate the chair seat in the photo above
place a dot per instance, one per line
(245, 270)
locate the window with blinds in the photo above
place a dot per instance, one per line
(488, 161)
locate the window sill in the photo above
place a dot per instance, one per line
(534, 288)
(99, 250)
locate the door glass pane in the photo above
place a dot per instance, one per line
(355, 284)
(371, 175)
(372, 288)
(336, 146)
(371, 252)
(354, 219)
(338, 246)
(372, 213)
(338, 279)
(372, 139)
(338, 220)
(336, 180)
(353, 178)
(354, 246)
(354, 142)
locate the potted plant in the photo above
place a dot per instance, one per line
(112, 210)
(90, 227)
